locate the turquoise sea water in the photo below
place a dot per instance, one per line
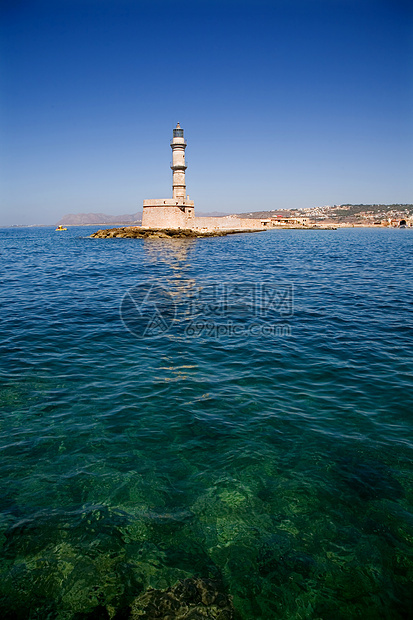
(278, 461)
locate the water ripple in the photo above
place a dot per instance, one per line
(280, 464)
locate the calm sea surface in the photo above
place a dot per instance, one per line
(249, 420)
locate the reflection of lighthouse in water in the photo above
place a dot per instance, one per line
(177, 212)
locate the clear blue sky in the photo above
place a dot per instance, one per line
(285, 103)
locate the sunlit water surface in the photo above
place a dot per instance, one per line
(277, 462)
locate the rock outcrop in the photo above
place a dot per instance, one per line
(136, 232)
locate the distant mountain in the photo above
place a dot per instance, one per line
(348, 209)
(83, 219)
(345, 213)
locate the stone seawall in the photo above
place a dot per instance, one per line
(167, 213)
(164, 214)
(165, 217)
(225, 223)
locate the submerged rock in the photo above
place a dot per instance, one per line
(369, 479)
(190, 599)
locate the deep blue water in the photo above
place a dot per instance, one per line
(254, 427)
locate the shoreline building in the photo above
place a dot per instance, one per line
(178, 211)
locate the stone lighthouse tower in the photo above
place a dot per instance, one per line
(178, 145)
(178, 211)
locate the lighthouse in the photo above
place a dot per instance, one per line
(178, 211)
(178, 146)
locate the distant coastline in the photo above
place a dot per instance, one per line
(342, 216)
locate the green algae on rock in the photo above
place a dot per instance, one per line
(192, 598)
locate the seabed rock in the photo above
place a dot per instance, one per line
(136, 232)
(190, 599)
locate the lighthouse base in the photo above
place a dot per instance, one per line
(168, 213)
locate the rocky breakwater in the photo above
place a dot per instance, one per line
(136, 232)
